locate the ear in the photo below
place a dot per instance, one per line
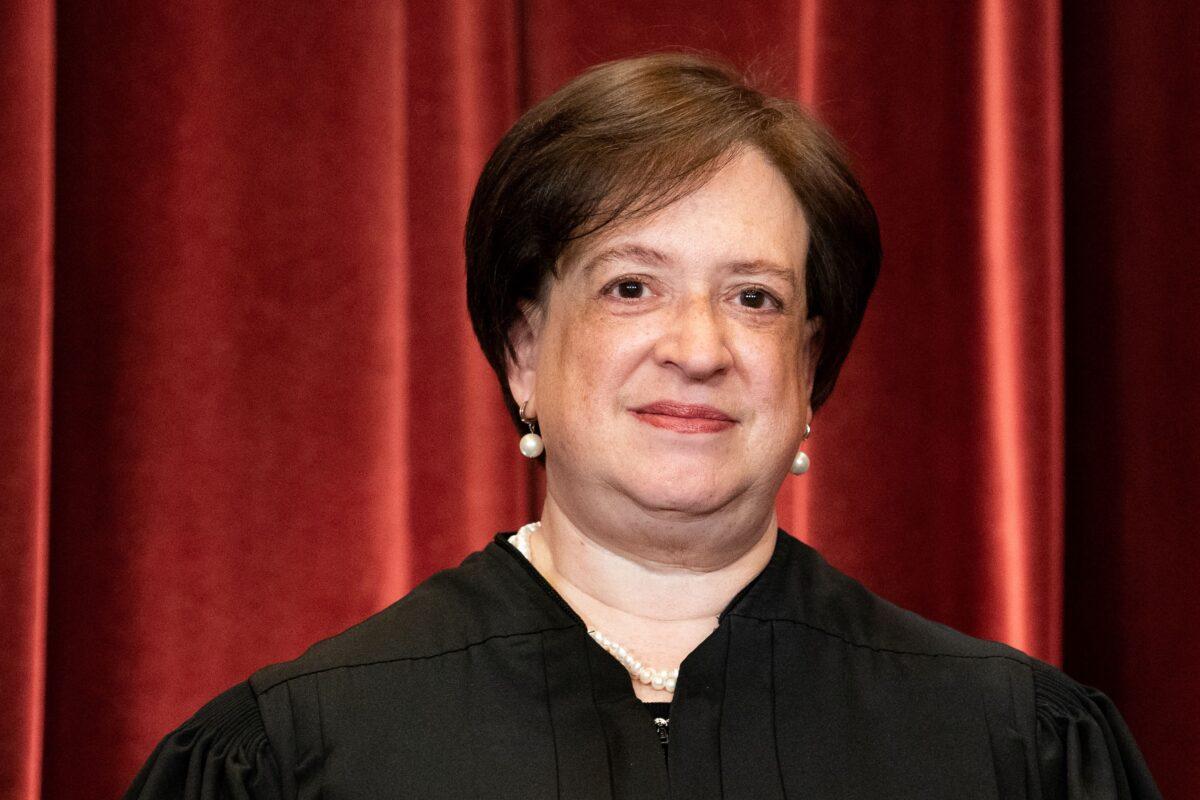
(525, 337)
(814, 329)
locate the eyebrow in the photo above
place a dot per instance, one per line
(626, 252)
(762, 267)
(648, 255)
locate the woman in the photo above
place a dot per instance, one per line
(666, 270)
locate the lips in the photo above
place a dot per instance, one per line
(684, 417)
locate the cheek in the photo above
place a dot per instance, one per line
(596, 354)
(774, 373)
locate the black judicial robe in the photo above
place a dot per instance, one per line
(483, 683)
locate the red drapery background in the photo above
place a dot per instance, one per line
(242, 407)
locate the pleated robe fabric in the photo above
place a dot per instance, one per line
(483, 683)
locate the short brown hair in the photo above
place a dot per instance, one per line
(628, 137)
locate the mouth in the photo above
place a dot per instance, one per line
(684, 417)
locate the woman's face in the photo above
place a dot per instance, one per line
(672, 359)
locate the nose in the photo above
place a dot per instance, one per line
(695, 340)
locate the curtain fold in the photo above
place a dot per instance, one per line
(1132, 178)
(26, 287)
(951, 113)
(243, 406)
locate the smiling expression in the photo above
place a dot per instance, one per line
(672, 359)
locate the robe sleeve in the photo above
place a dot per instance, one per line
(1084, 748)
(221, 752)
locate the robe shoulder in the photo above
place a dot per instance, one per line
(220, 753)
(1078, 741)
(488, 595)
(1084, 747)
(225, 749)
(818, 596)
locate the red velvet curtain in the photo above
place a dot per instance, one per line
(242, 407)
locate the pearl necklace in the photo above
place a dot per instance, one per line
(657, 678)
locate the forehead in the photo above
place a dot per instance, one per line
(745, 215)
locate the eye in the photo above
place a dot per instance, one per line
(757, 297)
(627, 289)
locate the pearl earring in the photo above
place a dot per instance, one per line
(531, 444)
(801, 462)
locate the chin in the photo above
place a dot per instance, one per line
(682, 489)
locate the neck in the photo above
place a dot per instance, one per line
(657, 608)
(644, 584)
